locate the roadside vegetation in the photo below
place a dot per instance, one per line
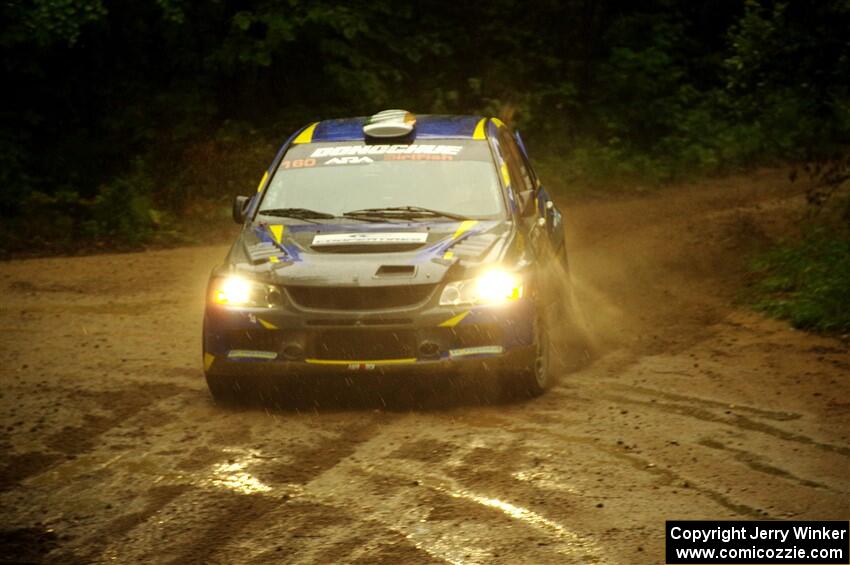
(806, 280)
(134, 123)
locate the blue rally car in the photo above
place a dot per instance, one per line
(392, 243)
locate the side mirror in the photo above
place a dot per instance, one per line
(240, 207)
(526, 202)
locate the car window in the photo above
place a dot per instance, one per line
(525, 166)
(450, 175)
(519, 182)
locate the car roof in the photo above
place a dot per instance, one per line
(428, 126)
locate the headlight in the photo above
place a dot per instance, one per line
(493, 287)
(238, 291)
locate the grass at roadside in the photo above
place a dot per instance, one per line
(806, 282)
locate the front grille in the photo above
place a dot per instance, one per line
(364, 344)
(359, 298)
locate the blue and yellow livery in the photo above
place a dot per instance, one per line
(394, 242)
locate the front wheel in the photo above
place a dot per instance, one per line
(533, 380)
(225, 389)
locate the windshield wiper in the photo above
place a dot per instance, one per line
(403, 212)
(298, 213)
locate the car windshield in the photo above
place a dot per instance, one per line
(444, 175)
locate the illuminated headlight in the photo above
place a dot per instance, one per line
(238, 291)
(493, 287)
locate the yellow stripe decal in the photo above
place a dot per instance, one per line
(361, 362)
(274, 259)
(452, 322)
(306, 136)
(267, 325)
(263, 181)
(208, 361)
(465, 226)
(498, 122)
(277, 232)
(506, 176)
(479, 129)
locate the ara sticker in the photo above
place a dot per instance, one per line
(348, 161)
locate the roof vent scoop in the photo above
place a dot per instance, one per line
(389, 123)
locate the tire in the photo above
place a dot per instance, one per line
(534, 380)
(226, 390)
(568, 331)
(563, 260)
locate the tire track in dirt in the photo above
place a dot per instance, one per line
(72, 441)
(235, 493)
(756, 463)
(156, 498)
(416, 494)
(733, 420)
(691, 409)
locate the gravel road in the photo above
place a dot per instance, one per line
(691, 407)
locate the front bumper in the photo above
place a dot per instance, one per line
(432, 339)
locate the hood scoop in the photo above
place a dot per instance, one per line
(262, 252)
(395, 271)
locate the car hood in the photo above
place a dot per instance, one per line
(370, 254)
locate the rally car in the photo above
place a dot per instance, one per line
(393, 243)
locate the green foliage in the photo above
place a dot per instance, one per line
(759, 50)
(122, 211)
(787, 72)
(614, 92)
(253, 40)
(45, 22)
(172, 11)
(119, 215)
(807, 282)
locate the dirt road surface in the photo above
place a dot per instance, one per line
(692, 408)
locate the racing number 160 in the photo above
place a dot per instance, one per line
(298, 163)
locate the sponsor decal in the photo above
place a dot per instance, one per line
(483, 350)
(249, 354)
(348, 161)
(423, 157)
(361, 366)
(362, 150)
(369, 238)
(297, 164)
